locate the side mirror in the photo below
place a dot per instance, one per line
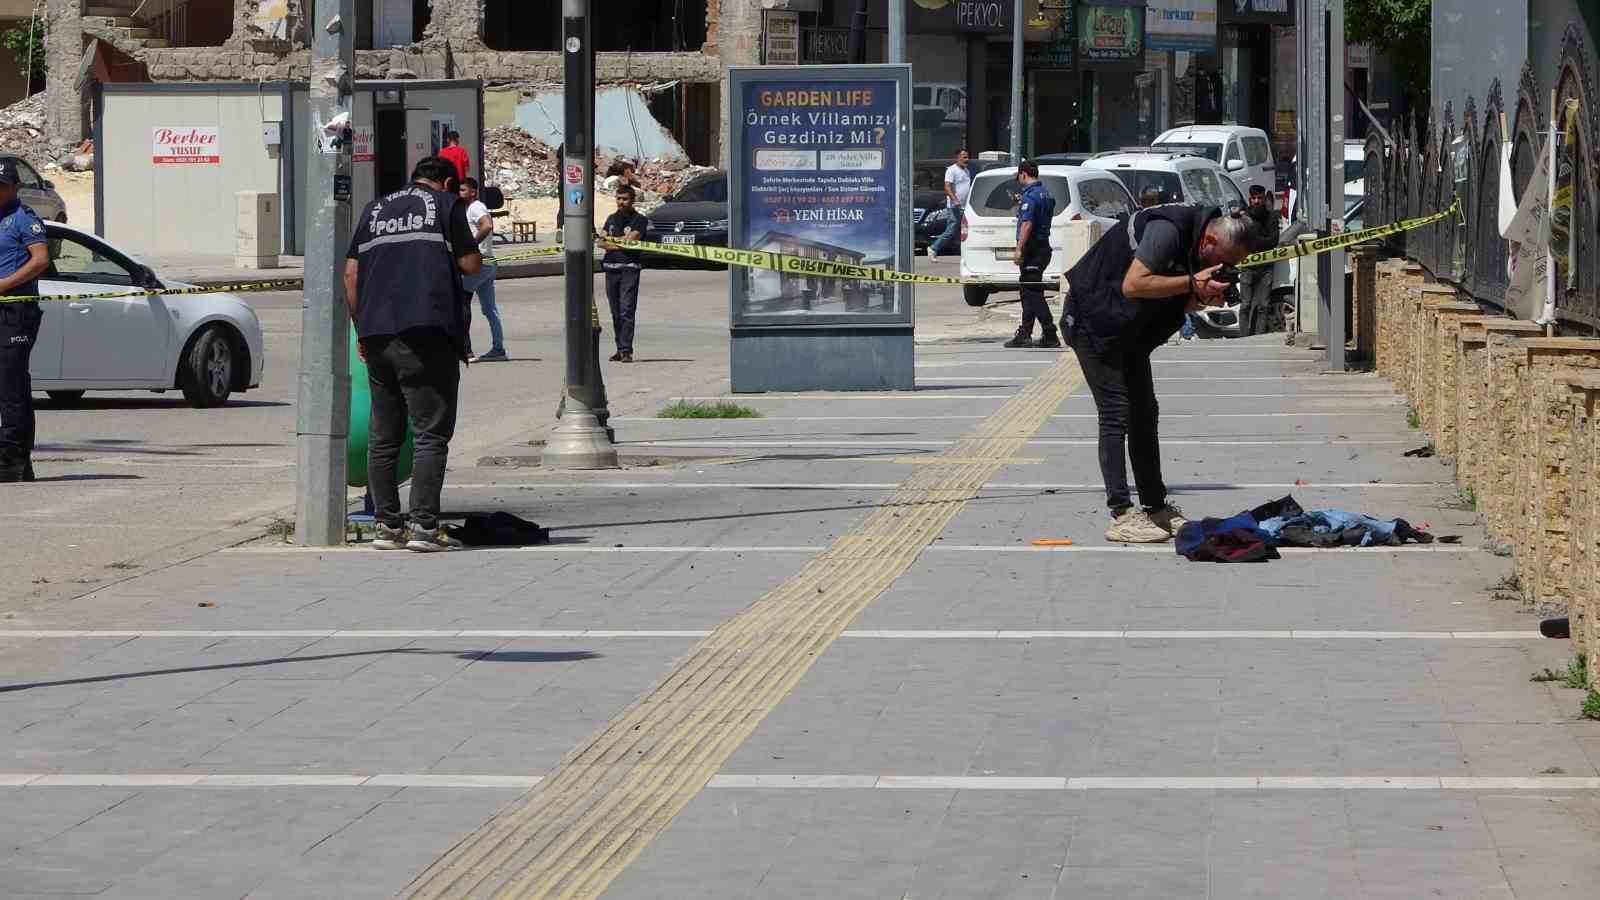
(147, 278)
(1235, 165)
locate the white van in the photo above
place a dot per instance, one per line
(989, 224)
(1245, 153)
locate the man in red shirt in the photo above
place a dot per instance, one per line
(456, 154)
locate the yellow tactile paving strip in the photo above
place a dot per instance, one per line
(608, 799)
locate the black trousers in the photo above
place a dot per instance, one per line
(1125, 398)
(1034, 307)
(622, 290)
(416, 376)
(1255, 300)
(19, 329)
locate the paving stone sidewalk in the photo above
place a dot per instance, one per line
(1004, 720)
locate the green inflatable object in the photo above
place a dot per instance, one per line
(360, 412)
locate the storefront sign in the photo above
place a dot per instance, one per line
(1280, 12)
(818, 175)
(185, 146)
(1110, 33)
(959, 16)
(781, 40)
(1181, 25)
(827, 45)
(363, 144)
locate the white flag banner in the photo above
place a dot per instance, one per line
(1529, 234)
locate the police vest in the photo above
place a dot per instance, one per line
(1095, 305)
(408, 277)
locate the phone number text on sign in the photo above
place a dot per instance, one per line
(185, 146)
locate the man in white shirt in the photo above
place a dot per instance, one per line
(957, 188)
(481, 222)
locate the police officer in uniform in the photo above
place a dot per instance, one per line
(403, 285)
(1034, 210)
(1125, 298)
(24, 256)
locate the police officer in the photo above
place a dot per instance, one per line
(23, 258)
(402, 282)
(1032, 254)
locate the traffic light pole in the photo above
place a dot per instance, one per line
(579, 441)
(323, 419)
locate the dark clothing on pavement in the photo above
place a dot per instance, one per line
(414, 375)
(19, 330)
(622, 290)
(1114, 337)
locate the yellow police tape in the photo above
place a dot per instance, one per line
(786, 263)
(1349, 238)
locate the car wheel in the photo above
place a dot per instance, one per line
(206, 375)
(974, 294)
(65, 398)
(1281, 312)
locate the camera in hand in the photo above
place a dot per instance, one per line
(1226, 274)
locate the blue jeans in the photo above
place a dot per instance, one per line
(952, 232)
(482, 284)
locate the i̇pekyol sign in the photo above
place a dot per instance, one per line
(179, 146)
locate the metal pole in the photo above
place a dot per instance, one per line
(1547, 317)
(579, 441)
(1016, 82)
(1335, 282)
(323, 419)
(897, 31)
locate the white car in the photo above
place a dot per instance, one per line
(206, 345)
(1181, 178)
(989, 224)
(1243, 152)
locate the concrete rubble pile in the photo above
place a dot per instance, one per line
(523, 166)
(22, 132)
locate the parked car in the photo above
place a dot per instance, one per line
(1243, 152)
(37, 193)
(207, 345)
(988, 231)
(1063, 159)
(1182, 178)
(697, 214)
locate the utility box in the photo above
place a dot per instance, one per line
(260, 232)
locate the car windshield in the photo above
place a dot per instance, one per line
(996, 195)
(1136, 180)
(1212, 152)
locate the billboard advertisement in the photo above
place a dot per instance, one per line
(819, 174)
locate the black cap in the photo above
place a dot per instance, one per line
(8, 172)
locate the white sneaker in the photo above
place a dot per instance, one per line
(435, 541)
(1135, 527)
(388, 538)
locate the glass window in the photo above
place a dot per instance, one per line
(1195, 188)
(996, 195)
(713, 189)
(1257, 152)
(1233, 152)
(1355, 169)
(1229, 194)
(72, 259)
(1104, 197)
(1212, 152)
(1137, 180)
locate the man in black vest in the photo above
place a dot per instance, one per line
(402, 282)
(1127, 296)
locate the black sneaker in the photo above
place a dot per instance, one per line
(493, 356)
(1051, 341)
(1018, 341)
(615, 357)
(626, 357)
